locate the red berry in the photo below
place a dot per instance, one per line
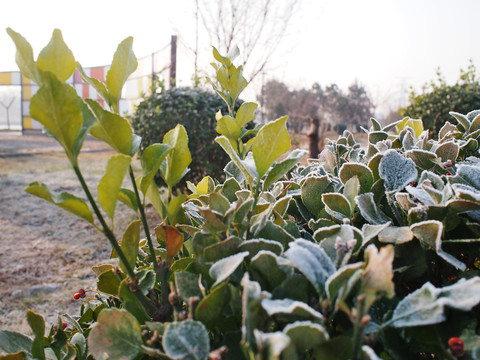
(82, 293)
(64, 325)
(448, 174)
(77, 296)
(456, 346)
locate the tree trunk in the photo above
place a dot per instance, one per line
(313, 137)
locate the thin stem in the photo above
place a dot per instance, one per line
(394, 208)
(144, 220)
(106, 230)
(358, 328)
(113, 241)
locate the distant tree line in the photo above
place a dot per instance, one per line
(330, 105)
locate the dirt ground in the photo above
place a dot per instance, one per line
(46, 254)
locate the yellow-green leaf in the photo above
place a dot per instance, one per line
(129, 244)
(227, 146)
(123, 65)
(246, 113)
(110, 184)
(178, 159)
(175, 210)
(152, 158)
(57, 58)
(228, 127)
(64, 200)
(96, 84)
(57, 107)
(415, 124)
(111, 128)
(24, 57)
(271, 141)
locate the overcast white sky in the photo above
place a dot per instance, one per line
(387, 45)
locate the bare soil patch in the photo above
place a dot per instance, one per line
(46, 254)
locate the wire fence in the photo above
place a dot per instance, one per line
(17, 90)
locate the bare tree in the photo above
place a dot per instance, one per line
(256, 26)
(6, 105)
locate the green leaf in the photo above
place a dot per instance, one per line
(24, 57)
(13, 342)
(108, 282)
(341, 278)
(396, 171)
(265, 263)
(312, 261)
(152, 158)
(254, 246)
(462, 120)
(364, 174)
(64, 200)
(283, 167)
(369, 210)
(186, 284)
(291, 308)
(128, 197)
(116, 334)
(112, 129)
(178, 159)
(123, 65)
(426, 305)
(271, 141)
(448, 151)
(37, 324)
(96, 84)
(311, 191)
(57, 58)
(210, 311)
(57, 107)
(110, 184)
(337, 205)
(222, 249)
(225, 267)
(129, 245)
(306, 335)
(423, 159)
(186, 340)
(227, 146)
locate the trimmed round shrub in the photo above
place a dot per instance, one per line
(195, 109)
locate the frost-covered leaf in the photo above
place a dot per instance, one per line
(223, 268)
(337, 206)
(115, 335)
(448, 151)
(271, 345)
(311, 260)
(282, 167)
(186, 284)
(426, 305)
(423, 159)
(395, 235)
(429, 233)
(369, 210)
(363, 172)
(305, 335)
(186, 340)
(370, 232)
(290, 307)
(396, 170)
(253, 246)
